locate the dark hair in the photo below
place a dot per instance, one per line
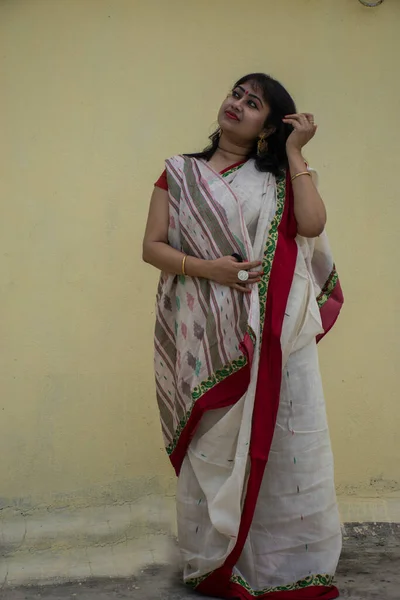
(274, 160)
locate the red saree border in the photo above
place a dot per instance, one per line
(330, 310)
(310, 593)
(268, 388)
(226, 393)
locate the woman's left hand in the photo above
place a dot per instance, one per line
(304, 130)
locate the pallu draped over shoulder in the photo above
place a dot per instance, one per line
(239, 390)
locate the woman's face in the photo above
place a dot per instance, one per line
(243, 113)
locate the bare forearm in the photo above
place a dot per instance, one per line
(309, 208)
(162, 256)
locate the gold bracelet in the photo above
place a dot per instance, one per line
(183, 265)
(299, 174)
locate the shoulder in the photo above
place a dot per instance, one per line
(179, 167)
(174, 167)
(178, 162)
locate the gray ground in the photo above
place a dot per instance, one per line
(369, 569)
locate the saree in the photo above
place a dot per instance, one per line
(239, 390)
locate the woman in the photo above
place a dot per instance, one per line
(247, 288)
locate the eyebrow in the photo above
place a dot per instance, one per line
(251, 95)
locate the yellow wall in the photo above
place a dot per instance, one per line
(95, 94)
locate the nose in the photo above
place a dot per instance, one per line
(237, 103)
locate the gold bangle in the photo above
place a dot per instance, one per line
(183, 265)
(299, 174)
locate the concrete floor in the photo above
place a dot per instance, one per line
(369, 569)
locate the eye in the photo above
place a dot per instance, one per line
(235, 94)
(252, 104)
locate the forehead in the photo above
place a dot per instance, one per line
(251, 87)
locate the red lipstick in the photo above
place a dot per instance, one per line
(231, 115)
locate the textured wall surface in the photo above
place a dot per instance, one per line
(95, 94)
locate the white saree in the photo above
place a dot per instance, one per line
(294, 540)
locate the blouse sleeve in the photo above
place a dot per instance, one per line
(162, 182)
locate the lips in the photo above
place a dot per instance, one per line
(231, 115)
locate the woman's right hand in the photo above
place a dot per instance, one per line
(225, 272)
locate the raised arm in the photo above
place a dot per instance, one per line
(309, 208)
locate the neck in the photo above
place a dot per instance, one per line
(230, 150)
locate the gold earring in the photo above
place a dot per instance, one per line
(262, 144)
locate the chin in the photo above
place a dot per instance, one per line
(229, 124)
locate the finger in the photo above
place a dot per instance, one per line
(295, 116)
(241, 288)
(255, 275)
(250, 280)
(292, 122)
(304, 122)
(299, 118)
(301, 125)
(246, 266)
(302, 118)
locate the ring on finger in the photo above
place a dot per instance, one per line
(243, 275)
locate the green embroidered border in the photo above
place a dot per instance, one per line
(218, 376)
(223, 373)
(328, 288)
(252, 334)
(270, 247)
(312, 580)
(181, 426)
(201, 389)
(241, 361)
(232, 170)
(193, 583)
